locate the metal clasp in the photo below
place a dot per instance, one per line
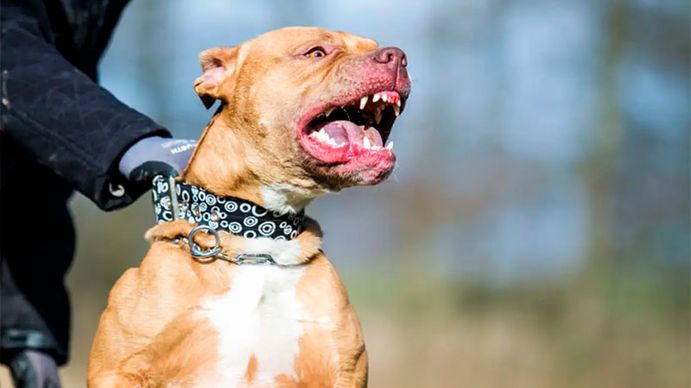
(254, 258)
(215, 252)
(196, 250)
(174, 198)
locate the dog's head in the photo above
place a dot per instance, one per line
(311, 107)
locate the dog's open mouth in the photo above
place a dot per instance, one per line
(358, 129)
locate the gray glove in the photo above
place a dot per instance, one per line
(153, 156)
(34, 369)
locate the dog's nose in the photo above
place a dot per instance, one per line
(391, 55)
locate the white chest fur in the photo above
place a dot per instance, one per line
(260, 316)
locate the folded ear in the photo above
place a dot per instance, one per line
(217, 64)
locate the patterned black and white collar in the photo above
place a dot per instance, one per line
(182, 201)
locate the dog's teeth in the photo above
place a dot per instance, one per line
(363, 102)
(390, 145)
(328, 112)
(398, 102)
(321, 135)
(396, 110)
(376, 97)
(366, 143)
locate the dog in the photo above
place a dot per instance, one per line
(303, 112)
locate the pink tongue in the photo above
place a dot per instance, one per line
(374, 137)
(343, 131)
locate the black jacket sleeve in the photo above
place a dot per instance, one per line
(64, 119)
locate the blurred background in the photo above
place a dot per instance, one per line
(536, 230)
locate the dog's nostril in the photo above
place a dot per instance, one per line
(390, 54)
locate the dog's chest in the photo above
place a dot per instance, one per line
(259, 324)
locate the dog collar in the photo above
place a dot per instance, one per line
(182, 201)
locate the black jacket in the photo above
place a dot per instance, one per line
(51, 106)
(59, 131)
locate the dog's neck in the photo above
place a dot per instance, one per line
(228, 163)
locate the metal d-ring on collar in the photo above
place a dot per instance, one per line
(196, 250)
(215, 252)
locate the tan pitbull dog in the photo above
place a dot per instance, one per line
(304, 111)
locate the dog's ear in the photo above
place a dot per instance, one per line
(217, 64)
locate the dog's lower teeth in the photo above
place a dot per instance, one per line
(390, 145)
(366, 143)
(321, 136)
(324, 138)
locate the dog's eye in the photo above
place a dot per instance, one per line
(316, 52)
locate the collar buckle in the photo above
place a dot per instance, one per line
(173, 197)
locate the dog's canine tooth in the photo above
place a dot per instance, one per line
(328, 112)
(390, 145)
(396, 110)
(363, 102)
(398, 102)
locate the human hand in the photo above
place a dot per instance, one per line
(32, 368)
(155, 155)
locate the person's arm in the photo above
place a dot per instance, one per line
(65, 120)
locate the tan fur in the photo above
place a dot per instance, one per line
(328, 297)
(251, 369)
(151, 333)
